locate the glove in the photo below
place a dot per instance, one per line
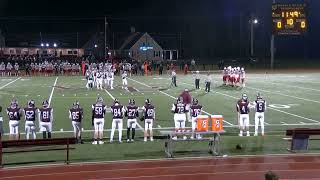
(142, 118)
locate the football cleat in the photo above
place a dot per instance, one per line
(195, 101)
(31, 103)
(45, 103)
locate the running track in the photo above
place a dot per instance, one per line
(248, 168)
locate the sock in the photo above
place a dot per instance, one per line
(241, 132)
(133, 132)
(34, 135)
(44, 135)
(49, 135)
(128, 133)
(27, 135)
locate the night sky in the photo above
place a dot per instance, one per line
(209, 28)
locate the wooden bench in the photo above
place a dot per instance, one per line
(300, 137)
(213, 140)
(36, 143)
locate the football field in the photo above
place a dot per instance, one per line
(293, 100)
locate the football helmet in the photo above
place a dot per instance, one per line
(242, 69)
(76, 104)
(14, 103)
(195, 101)
(100, 100)
(116, 101)
(180, 99)
(244, 96)
(31, 103)
(148, 101)
(259, 95)
(45, 103)
(224, 68)
(132, 102)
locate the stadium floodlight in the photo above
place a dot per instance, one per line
(47, 44)
(95, 45)
(255, 21)
(55, 45)
(42, 44)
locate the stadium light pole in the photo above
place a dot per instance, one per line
(252, 22)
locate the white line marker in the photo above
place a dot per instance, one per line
(281, 94)
(10, 83)
(269, 107)
(136, 89)
(283, 123)
(173, 98)
(159, 126)
(53, 87)
(302, 122)
(61, 130)
(295, 86)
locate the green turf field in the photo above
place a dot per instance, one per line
(293, 101)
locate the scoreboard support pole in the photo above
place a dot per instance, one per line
(272, 52)
(272, 48)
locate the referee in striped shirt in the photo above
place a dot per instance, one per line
(208, 80)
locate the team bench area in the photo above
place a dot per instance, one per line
(22, 146)
(208, 127)
(300, 137)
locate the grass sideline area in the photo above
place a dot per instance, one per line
(293, 101)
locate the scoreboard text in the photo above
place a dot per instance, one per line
(289, 19)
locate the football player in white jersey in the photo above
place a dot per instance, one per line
(124, 80)
(99, 80)
(242, 77)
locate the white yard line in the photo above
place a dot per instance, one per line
(281, 94)
(53, 87)
(173, 98)
(311, 89)
(140, 127)
(10, 83)
(316, 121)
(136, 89)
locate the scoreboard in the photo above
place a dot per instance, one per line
(289, 19)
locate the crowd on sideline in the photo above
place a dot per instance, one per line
(35, 65)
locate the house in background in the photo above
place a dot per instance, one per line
(142, 47)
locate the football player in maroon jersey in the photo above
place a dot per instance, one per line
(117, 111)
(14, 114)
(30, 113)
(98, 113)
(76, 116)
(132, 114)
(45, 119)
(243, 114)
(149, 117)
(195, 110)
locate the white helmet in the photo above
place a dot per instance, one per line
(242, 69)
(238, 68)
